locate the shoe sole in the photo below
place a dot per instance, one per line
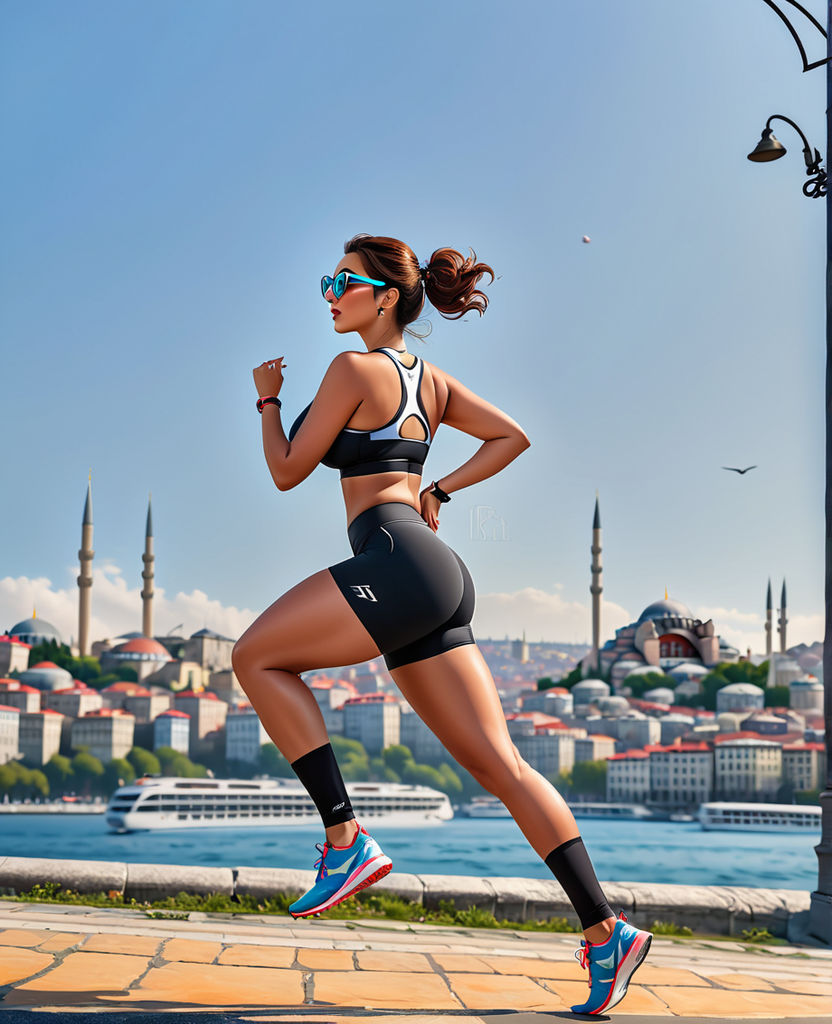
(628, 967)
(378, 867)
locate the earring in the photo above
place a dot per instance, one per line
(380, 311)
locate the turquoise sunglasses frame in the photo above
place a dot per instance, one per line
(342, 281)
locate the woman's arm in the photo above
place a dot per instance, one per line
(503, 440)
(340, 394)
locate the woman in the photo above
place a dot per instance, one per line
(404, 593)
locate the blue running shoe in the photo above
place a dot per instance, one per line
(611, 965)
(343, 871)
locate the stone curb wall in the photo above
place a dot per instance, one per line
(718, 909)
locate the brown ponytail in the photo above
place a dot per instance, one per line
(450, 284)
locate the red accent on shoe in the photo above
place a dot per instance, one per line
(351, 842)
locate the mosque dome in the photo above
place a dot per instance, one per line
(661, 695)
(663, 610)
(46, 675)
(35, 631)
(688, 670)
(208, 634)
(644, 670)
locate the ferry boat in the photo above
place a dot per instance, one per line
(175, 803)
(600, 809)
(759, 817)
(493, 807)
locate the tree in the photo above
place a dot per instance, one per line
(589, 779)
(777, 697)
(396, 756)
(118, 772)
(87, 770)
(452, 783)
(143, 762)
(642, 682)
(272, 762)
(58, 771)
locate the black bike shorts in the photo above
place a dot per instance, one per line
(412, 593)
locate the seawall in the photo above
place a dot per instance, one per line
(716, 909)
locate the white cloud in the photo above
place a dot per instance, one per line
(116, 608)
(543, 616)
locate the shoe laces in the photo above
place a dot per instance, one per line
(323, 849)
(583, 958)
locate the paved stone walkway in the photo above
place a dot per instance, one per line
(69, 958)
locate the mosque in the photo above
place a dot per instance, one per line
(666, 636)
(177, 663)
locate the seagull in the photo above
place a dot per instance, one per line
(740, 471)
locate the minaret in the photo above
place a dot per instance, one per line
(768, 619)
(595, 587)
(781, 625)
(85, 556)
(147, 576)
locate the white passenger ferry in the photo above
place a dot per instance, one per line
(173, 803)
(760, 817)
(484, 807)
(493, 807)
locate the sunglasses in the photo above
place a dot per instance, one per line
(342, 281)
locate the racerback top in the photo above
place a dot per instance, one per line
(362, 452)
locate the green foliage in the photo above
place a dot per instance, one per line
(567, 681)
(586, 779)
(807, 796)
(757, 935)
(641, 683)
(21, 782)
(143, 762)
(670, 928)
(723, 674)
(777, 697)
(118, 772)
(87, 669)
(452, 784)
(422, 775)
(396, 756)
(58, 771)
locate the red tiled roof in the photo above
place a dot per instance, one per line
(8, 707)
(371, 698)
(107, 713)
(190, 694)
(131, 689)
(629, 755)
(6, 639)
(173, 714)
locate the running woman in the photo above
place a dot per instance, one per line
(404, 594)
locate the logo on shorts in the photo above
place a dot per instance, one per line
(338, 807)
(363, 590)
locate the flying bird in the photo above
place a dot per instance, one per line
(740, 471)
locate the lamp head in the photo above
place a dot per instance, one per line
(768, 148)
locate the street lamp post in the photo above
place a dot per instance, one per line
(769, 148)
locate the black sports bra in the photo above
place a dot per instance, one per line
(362, 452)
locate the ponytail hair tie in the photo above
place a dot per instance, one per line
(423, 273)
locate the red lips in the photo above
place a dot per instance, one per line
(336, 312)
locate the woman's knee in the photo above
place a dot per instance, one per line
(495, 772)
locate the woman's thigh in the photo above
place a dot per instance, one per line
(311, 626)
(455, 696)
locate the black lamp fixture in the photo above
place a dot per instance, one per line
(770, 148)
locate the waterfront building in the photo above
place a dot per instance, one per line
(330, 695)
(46, 675)
(740, 697)
(209, 650)
(587, 691)
(19, 695)
(764, 723)
(244, 735)
(424, 744)
(107, 732)
(804, 765)
(40, 735)
(747, 767)
(635, 729)
(146, 707)
(374, 719)
(595, 747)
(14, 654)
(549, 750)
(116, 693)
(73, 701)
(806, 694)
(628, 777)
(207, 713)
(9, 733)
(172, 729)
(556, 701)
(674, 725)
(681, 775)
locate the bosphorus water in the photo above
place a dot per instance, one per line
(622, 851)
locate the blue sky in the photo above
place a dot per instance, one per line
(177, 177)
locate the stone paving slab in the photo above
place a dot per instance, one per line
(71, 960)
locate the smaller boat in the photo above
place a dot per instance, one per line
(738, 817)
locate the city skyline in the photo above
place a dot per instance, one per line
(168, 217)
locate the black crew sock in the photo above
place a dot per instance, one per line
(571, 866)
(319, 772)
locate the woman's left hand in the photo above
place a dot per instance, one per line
(430, 508)
(268, 377)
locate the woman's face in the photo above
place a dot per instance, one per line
(357, 309)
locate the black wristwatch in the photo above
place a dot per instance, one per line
(437, 492)
(267, 400)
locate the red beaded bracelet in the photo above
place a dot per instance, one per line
(267, 400)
